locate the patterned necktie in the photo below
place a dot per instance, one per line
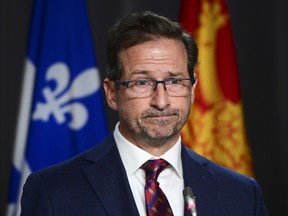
(156, 201)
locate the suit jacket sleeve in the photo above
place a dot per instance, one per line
(260, 207)
(35, 200)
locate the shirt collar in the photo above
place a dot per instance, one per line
(133, 157)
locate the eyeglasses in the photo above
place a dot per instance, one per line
(176, 87)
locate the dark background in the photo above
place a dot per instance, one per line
(261, 34)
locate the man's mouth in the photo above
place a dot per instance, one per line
(158, 114)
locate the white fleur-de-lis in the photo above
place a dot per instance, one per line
(57, 100)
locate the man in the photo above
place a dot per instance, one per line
(151, 84)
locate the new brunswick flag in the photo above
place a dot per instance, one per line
(215, 128)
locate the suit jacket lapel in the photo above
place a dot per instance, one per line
(201, 180)
(108, 178)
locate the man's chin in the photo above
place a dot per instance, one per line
(159, 133)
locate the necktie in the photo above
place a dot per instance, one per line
(156, 201)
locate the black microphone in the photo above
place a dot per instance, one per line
(189, 201)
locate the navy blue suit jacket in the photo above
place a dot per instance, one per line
(95, 183)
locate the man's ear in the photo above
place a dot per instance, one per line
(110, 92)
(193, 89)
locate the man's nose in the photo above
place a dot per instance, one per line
(160, 98)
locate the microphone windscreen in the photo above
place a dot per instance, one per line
(187, 191)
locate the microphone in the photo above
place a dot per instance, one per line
(189, 201)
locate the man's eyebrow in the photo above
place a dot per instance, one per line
(147, 73)
(175, 73)
(139, 72)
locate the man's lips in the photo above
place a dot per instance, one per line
(160, 116)
(157, 114)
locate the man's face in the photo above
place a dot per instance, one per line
(158, 118)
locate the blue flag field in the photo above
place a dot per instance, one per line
(62, 106)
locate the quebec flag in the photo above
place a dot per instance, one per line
(62, 107)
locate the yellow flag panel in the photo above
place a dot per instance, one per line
(216, 127)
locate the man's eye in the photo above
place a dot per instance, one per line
(173, 81)
(141, 82)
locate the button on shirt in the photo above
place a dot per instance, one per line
(170, 179)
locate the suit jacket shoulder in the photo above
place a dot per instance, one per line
(92, 183)
(220, 191)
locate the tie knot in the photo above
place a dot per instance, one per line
(154, 167)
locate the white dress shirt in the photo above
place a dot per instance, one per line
(170, 179)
